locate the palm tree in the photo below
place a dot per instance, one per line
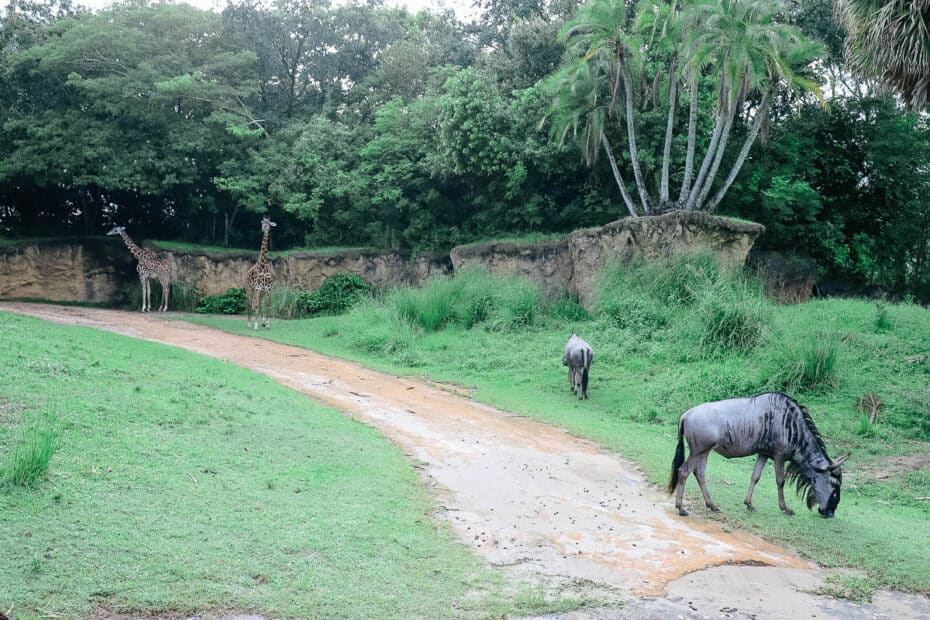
(890, 40)
(737, 45)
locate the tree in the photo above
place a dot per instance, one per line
(740, 47)
(890, 40)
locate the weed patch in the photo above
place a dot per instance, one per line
(33, 451)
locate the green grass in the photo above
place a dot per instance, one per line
(33, 450)
(534, 237)
(646, 374)
(185, 484)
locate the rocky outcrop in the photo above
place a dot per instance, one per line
(571, 265)
(90, 270)
(101, 270)
(654, 238)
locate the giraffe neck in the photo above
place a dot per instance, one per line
(263, 252)
(136, 250)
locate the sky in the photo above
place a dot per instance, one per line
(463, 8)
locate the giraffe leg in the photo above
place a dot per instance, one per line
(165, 291)
(263, 301)
(143, 282)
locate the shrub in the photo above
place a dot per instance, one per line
(33, 451)
(806, 365)
(337, 294)
(230, 302)
(882, 322)
(567, 308)
(377, 328)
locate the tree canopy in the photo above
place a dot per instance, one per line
(362, 124)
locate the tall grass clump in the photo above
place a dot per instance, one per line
(379, 328)
(808, 364)
(734, 313)
(284, 302)
(34, 449)
(468, 299)
(184, 297)
(568, 308)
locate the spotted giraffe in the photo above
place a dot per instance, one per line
(151, 266)
(258, 281)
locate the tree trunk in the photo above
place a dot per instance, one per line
(692, 140)
(613, 166)
(227, 224)
(669, 128)
(743, 154)
(631, 138)
(718, 157)
(708, 156)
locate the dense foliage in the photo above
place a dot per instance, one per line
(230, 302)
(360, 124)
(337, 294)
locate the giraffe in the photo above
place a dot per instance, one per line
(258, 280)
(151, 266)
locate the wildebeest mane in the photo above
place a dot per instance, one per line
(800, 473)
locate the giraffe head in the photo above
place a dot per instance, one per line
(267, 224)
(117, 230)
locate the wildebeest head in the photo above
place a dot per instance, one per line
(824, 490)
(116, 230)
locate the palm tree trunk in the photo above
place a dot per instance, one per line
(718, 157)
(692, 140)
(708, 156)
(631, 139)
(743, 154)
(667, 151)
(613, 166)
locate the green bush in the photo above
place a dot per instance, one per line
(337, 294)
(377, 328)
(882, 322)
(568, 308)
(230, 302)
(807, 365)
(184, 297)
(33, 451)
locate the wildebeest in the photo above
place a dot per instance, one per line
(578, 357)
(772, 425)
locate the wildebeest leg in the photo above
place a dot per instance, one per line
(699, 474)
(780, 481)
(756, 474)
(683, 472)
(571, 378)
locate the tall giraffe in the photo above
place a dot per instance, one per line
(258, 281)
(151, 266)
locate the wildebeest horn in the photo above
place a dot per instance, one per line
(839, 461)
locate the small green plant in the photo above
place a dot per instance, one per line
(337, 294)
(230, 302)
(882, 322)
(34, 449)
(864, 427)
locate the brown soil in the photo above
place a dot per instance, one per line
(523, 494)
(885, 468)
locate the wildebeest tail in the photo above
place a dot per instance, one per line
(584, 371)
(679, 458)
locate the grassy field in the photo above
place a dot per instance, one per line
(184, 484)
(655, 358)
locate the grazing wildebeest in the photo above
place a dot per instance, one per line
(578, 357)
(772, 425)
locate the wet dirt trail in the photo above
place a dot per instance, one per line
(528, 495)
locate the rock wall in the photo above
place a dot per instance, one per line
(101, 270)
(572, 264)
(549, 263)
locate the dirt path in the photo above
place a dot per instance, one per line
(531, 496)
